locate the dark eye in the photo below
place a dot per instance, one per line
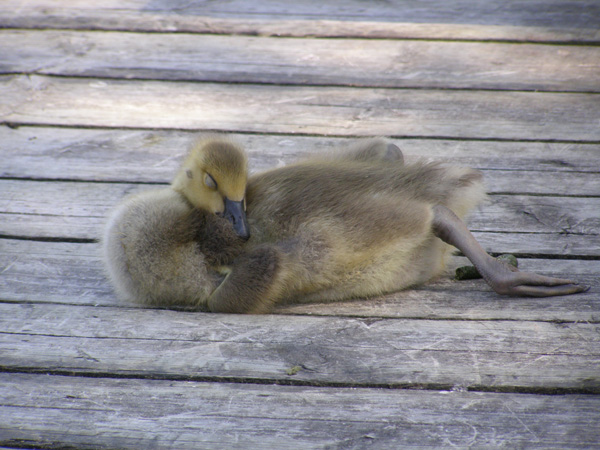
(210, 182)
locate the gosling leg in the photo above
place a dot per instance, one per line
(503, 278)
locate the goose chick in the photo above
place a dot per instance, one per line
(167, 247)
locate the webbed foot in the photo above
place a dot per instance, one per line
(508, 280)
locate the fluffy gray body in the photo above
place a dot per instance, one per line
(358, 222)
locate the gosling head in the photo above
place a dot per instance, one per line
(213, 178)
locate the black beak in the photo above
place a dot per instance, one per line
(234, 212)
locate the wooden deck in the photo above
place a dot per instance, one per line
(99, 101)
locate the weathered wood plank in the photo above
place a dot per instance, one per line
(542, 244)
(154, 156)
(119, 155)
(92, 202)
(542, 183)
(53, 209)
(449, 299)
(537, 21)
(71, 273)
(45, 100)
(96, 413)
(346, 62)
(496, 355)
(55, 272)
(531, 214)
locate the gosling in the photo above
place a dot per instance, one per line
(354, 223)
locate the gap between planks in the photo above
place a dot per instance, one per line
(248, 133)
(433, 387)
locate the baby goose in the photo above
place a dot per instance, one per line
(356, 223)
(167, 247)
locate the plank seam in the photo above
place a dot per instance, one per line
(41, 73)
(592, 390)
(74, 240)
(67, 240)
(284, 35)
(371, 319)
(346, 318)
(35, 179)
(17, 125)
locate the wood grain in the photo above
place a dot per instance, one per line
(89, 116)
(345, 62)
(355, 352)
(76, 102)
(530, 21)
(79, 210)
(72, 273)
(154, 156)
(134, 414)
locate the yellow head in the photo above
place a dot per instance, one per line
(213, 178)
